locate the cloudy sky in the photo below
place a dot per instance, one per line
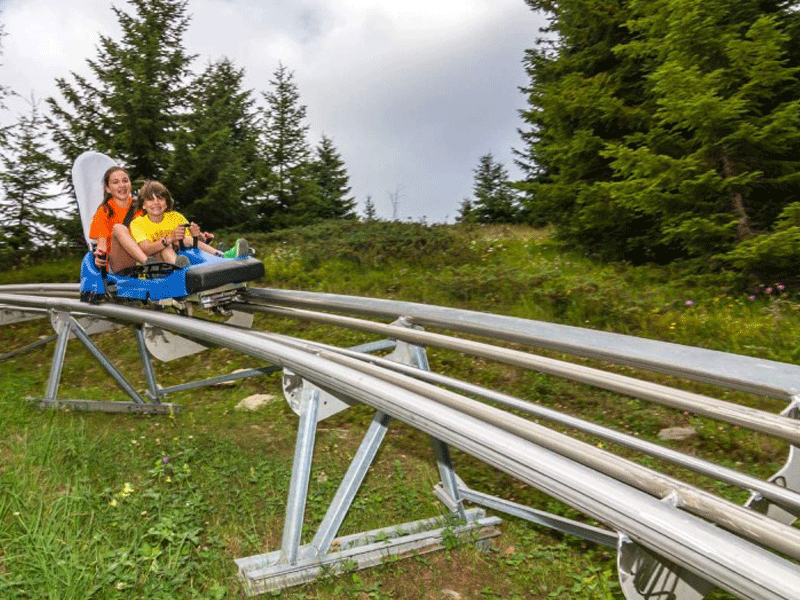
(412, 92)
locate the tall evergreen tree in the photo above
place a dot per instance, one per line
(494, 199)
(581, 96)
(722, 157)
(216, 168)
(132, 107)
(662, 129)
(286, 153)
(330, 175)
(28, 184)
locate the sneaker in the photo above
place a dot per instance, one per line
(182, 262)
(240, 249)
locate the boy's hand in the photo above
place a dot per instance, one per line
(194, 229)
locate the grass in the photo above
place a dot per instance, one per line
(108, 506)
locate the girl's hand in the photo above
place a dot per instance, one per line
(100, 258)
(101, 254)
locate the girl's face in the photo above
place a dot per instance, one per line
(155, 207)
(119, 186)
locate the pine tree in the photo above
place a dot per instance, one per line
(331, 177)
(132, 107)
(494, 199)
(465, 212)
(216, 169)
(369, 210)
(581, 97)
(26, 222)
(286, 153)
(722, 157)
(662, 129)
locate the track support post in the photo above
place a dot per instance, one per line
(294, 564)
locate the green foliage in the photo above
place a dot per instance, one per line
(773, 256)
(215, 168)
(494, 199)
(26, 221)
(328, 170)
(285, 151)
(375, 244)
(663, 129)
(135, 106)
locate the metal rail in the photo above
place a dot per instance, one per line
(687, 546)
(758, 376)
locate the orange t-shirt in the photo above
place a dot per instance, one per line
(103, 225)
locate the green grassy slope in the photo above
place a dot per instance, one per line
(123, 506)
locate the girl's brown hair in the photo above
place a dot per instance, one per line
(151, 189)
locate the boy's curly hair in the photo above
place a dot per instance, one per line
(151, 189)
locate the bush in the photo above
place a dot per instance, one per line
(771, 256)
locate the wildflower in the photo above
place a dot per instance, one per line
(127, 490)
(164, 460)
(688, 303)
(510, 550)
(112, 502)
(752, 297)
(781, 287)
(768, 290)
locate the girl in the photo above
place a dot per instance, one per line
(109, 229)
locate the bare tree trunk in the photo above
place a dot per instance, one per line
(743, 229)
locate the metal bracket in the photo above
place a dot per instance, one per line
(643, 575)
(166, 346)
(788, 477)
(646, 576)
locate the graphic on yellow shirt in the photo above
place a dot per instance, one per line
(142, 228)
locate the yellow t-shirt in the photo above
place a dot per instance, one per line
(142, 228)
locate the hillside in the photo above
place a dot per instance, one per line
(121, 506)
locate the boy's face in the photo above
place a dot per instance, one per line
(155, 207)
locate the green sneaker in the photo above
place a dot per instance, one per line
(240, 248)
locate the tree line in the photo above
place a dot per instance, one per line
(653, 130)
(232, 158)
